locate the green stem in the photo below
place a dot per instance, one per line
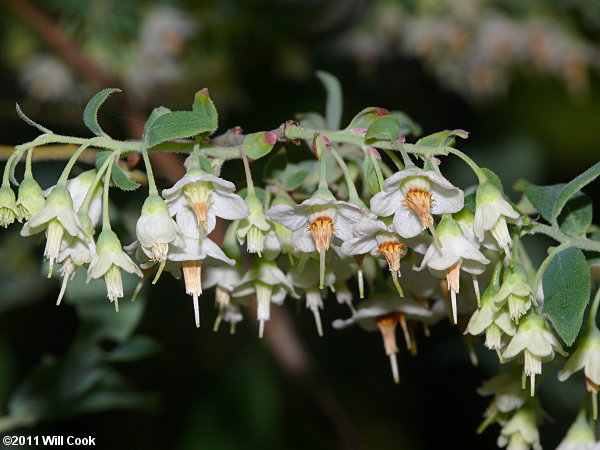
(474, 167)
(551, 254)
(249, 181)
(394, 159)
(150, 173)
(407, 161)
(353, 196)
(557, 235)
(72, 160)
(89, 195)
(495, 281)
(28, 171)
(594, 309)
(105, 214)
(323, 172)
(9, 163)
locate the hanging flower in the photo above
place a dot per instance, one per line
(108, 262)
(515, 291)
(269, 284)
(57, 218)
(8, 206)
(581, 434)
(412, 196)
(521, 431)
(507, 397)
(31, 199)
(224, 279)
(207, 197)
(190, 256)
(535, 342)
(491, 213)
(457, 252)
(315, 221)
(253, 229)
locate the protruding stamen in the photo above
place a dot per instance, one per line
(218, 319)
(198, 197)
(393, 252)
(161, 267)
(192, 276)
(67, 271)
(196, 310)
(476, 289)
(454, 312)
(453, 280)
(402, 320)
(261, 328)
(397, 284)
(361, 282)
(394, 364)
(54, 237)
(532, 391)
(263, 308)
(63, 288)
(116, 304)
(419, 201)
(387, 327)
(321, 269)
(315, 312)
(322, 230)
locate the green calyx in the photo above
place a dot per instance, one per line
(154, 204)
(487, 192)
(448, 227)
(108, 242)
(31, 199)
(464, 216)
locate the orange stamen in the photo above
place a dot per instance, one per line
(393, 252)
(420, 201)
(322, 229)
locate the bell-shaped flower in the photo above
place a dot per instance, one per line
(457, 252)
(30, 199)
(536, 343)
(315, 221)
(465, 219)
(491, 212)
(224, 279)
(507, 397)
(108, 262)
(8, 206)
(384, 313)
(521, 431)
(412, 196)
(156, 231)
(58, 219)
(269, 284)
(581, 434)
(587, 357)
(207, 197)
(253, 229)
(233, 315)
(515, 291)
(191, 255)
(492, 318)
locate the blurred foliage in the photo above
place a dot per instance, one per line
(521, 76)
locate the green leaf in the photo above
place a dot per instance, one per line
(333, 109)
(122, 179)
(573, 186)
(366, 117)
(101, 158)
(138, 347)
(567, 287)
(385, 128)
(493, 178)
(90, 114)
(28, 121)
(260, 193)
(370, 175)
(442, 138)
(257, 145)
(275, 166)
(407, 125)
(576, 215)
(543, 198)
(204, 105)
(177, 125)
(295, 180)
(156, 113)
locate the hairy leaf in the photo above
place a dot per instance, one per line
(573, 186)
(257, 145)
(156, 113)
(295, 180)
(576, 215)
(27, 120)
(204, 105)
(385, 128)
(90, 114)
(177, 125)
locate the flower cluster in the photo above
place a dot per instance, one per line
(420, 252)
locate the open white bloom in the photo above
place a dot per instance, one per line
(315, 221)
(535, 342)
(412, 196)
(269, 284)
(30, 200)
(207, 197)
(457, 252)
(190, 255)
(108, 262)
(587, 357)
(58, 219)
(253, 229)
(515, 291)
(581, 434)
(384, 313)
(156, 231)
(224, 279)
(490, 215)
(521, 432)
(465, 219)
(492, 318)
(507, 392)
(8, 206)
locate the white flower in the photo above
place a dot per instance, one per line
(314, 223)
(30, 200)
(108, 262)
(491, 318)
(57, 218)
(253, 229)
(47, 79)
(190, 255)
(515, 291)
(520, 432)
(8, 206)
(465, 218)
(457, 252)
(224, 279)
(269, 284)
(156, 231)
(490, 215)
(205, 197)
(506, 389)
(535, 342)
(412, 196)
(164, 31)
(581, 434)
